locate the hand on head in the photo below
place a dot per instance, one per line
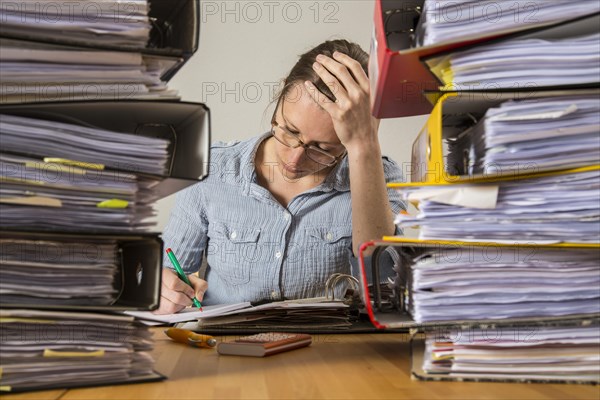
(175, 294)
(351, 111)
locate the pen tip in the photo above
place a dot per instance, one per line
(169, 250)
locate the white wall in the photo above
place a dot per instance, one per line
(247, 47)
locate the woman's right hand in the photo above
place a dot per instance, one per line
(175, 294)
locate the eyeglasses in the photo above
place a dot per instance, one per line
(287, 138)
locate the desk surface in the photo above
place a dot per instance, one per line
(369, 366)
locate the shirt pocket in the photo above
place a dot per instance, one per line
(330, 236)
(330, 249)
(233, 252)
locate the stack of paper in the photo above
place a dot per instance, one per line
(524, 353)
(526, 63)
(66, 176)
(77, 174)
(58, 272)
(531, 135)
(492, 282)
(460, 20)
(42, 72)
(282, 315)
(555, 208)
(290, 314)
(117, 150)
(53, 51)
(44, 350)
(103, 22)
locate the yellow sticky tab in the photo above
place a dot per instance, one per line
(113, 203)
(55, 166)
(54, 353)
(5, 388)
(74, 163)
(0, 372)
(442, 357)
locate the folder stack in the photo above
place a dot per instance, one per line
(419, 45)
(506, 179)
(106, 50)
(81, 166)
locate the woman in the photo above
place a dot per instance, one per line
(276, 216)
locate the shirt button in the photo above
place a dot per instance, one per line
(329, 236)
(286, 216)
(233, 235)
(278, 254)
(274, 295)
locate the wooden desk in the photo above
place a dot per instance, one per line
(371, 366)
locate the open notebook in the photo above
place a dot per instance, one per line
(316, 313)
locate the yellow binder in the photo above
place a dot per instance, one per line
(453, 113)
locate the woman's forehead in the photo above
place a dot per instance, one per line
(303, 114)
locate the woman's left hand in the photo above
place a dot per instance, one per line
(351, 112)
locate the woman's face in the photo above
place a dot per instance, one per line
(303, 118)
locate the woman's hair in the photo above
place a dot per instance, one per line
(303, 70)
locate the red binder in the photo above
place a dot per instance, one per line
(396, 70)
(398, 77)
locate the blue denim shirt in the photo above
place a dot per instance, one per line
(257, 249)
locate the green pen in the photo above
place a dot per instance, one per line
(181, 274)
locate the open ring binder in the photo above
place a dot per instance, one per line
(337, 278)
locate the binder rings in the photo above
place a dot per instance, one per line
(397, 70)
(137, 279)
(185, 125)
(175, 27)
(387, 305)
(453, 114)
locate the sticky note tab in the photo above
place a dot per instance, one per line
(113, 203)
(438, 357)
(54, 353)
(74, 163)
(55, 166)
(5, 388)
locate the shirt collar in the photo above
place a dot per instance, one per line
(338, 178)
(247, 161)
